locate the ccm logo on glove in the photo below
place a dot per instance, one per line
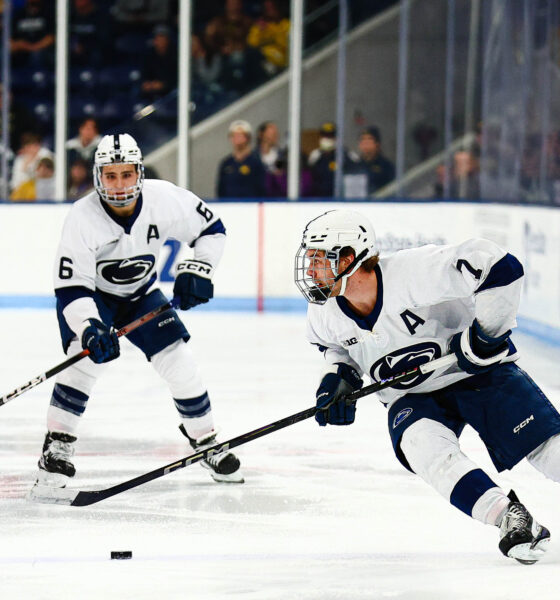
(193, 285)
(196, 267)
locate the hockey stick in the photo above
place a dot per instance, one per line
(74, 359)
(85, 498)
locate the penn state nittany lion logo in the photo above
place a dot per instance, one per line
(126, 270)
(404, 359)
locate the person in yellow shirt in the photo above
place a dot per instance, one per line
(270, 36)
(41, 187)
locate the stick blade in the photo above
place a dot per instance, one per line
(86, 498)
(49, 495)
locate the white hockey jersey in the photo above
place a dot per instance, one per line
(424, 297)
(97, 253)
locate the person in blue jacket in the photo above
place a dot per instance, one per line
(241, 174)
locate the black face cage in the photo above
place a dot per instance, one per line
(315, 292)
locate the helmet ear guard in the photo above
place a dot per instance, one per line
(329, 234)
(118, 149)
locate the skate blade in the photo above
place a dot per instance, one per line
(231, 478)
(527, 554)
(235, 477)
(51, 495)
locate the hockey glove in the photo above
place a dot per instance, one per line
(331, 396)
(193, 284)
(102, 342)
(476, 351)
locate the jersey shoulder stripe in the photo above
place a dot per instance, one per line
(505, 271)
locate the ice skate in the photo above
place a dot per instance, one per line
(223, 466)
(55, 467)
(521, 537)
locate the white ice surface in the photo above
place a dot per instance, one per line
(325, 513)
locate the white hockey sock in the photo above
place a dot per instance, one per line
(546, 458)
(71, 391)
(176, 365)
(196, 428)
(62, 420)
(490, 507)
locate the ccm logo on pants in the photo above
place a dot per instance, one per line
(519, 427)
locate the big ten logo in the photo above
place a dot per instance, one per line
(169, 254)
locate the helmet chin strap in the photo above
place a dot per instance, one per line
(349, 271)
(343, 286)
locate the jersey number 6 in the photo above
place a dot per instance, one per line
(203, 210)
(64, 271)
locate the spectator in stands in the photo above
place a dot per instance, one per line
(379, 169)
(140, 16)
(466, 175)
(27, 159)
(267, 144)
(463, 179)
(230, 29)
(32, 41)
(227, 35)
(277, 177)
(79, 179)
(40, 186)
(85, 143)
(207, 64)
(159, 71)
(241, 174)
(270, 35)
(322, 161)
(88, 34)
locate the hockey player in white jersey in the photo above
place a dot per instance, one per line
(382, 316)
(104, 277)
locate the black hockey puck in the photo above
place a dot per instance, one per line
(123, 554)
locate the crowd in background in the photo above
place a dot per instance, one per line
(123, 56)
(484, 163)
(262, 170)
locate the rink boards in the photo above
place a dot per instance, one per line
(257, 267)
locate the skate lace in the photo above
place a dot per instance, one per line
(61, 450)
(215, 459)
(517, 517)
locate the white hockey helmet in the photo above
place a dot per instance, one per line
(118, 149)
(329, 234)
